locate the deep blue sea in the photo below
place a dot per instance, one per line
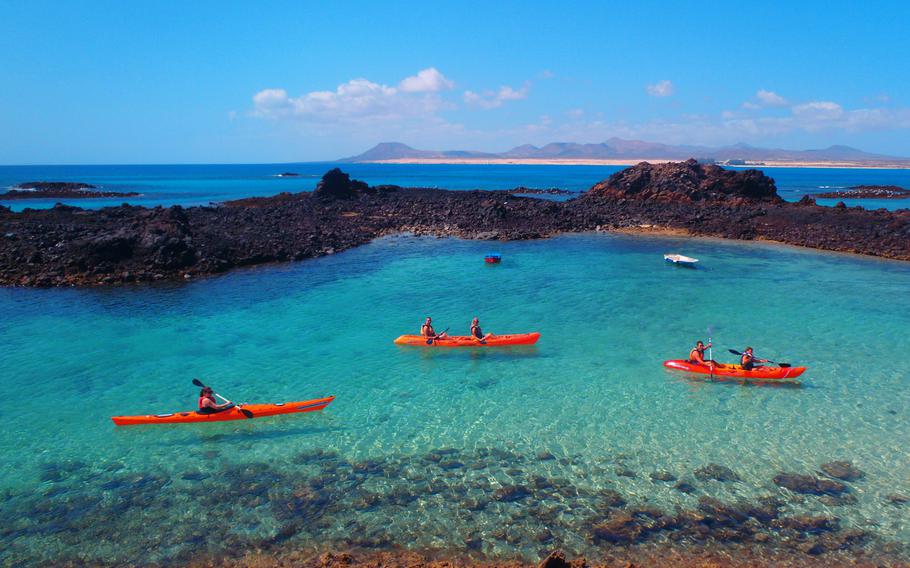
(203, 184)
(421, 444)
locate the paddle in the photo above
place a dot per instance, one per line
(783, 365)
(711, 349)
(246, 413)
(432, 339)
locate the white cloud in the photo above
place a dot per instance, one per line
(819, 110)
(824, 117)
(663, 88)
(765, 99)
(770, 98)
(427, 80)
(358, 100)
(491, 99)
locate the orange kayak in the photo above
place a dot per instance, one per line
(736, 371)
(468, 341)
(245, 412)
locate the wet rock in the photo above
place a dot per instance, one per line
(717, 472)
(662, 476)
(623, 471)
(844, 470)
(511, 493)
(556, 559)
(545, 456)
(808, 484)
(719, 512)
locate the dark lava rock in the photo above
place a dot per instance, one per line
(511, 493)
(545, 456)
(843, 470)
(54, 186)
(868, 192)
(687, 182)
(715, 471)
(809, 485)
(556, 559)
(59, 189)
(336, 184)
(662, 476)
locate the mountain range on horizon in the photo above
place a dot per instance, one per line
(619, 149)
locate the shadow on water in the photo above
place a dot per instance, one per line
(702, 381)
(203, 437)
(476, 353)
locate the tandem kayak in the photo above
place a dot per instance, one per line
(736, 371)
(468, 341)
(244, 412)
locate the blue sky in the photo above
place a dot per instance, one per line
(162, 82)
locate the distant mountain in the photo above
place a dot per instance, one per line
(619, 149)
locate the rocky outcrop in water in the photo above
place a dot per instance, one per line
(688, 182)
(70, 246)
(58, 190)
(867, 192)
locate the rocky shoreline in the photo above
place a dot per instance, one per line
(67, 246)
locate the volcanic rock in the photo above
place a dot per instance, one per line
(688, 182)
(810, 485)
(715, 471)
(336, 184)
(842, 470)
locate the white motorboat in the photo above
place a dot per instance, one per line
(680, 259)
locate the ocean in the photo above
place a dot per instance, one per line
(501, 453)
(187, 185)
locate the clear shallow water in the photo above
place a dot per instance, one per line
(203, 184)
(418, 438)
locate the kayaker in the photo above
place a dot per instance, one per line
(477, 333)
(427, 330)
(697, 355)
(748, 360)
(207, 404)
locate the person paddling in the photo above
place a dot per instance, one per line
(697, 355)
(477, 333)
(748, 360)
(427, 330)
(207, 404)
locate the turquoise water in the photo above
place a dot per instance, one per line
(419, 440)
(203, 184)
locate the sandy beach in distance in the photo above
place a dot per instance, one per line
(631, 162)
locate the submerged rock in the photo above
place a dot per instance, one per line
(810, 485)
(717, 472)
(842, 470)
(662, 476)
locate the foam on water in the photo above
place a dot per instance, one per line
(592, 393)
